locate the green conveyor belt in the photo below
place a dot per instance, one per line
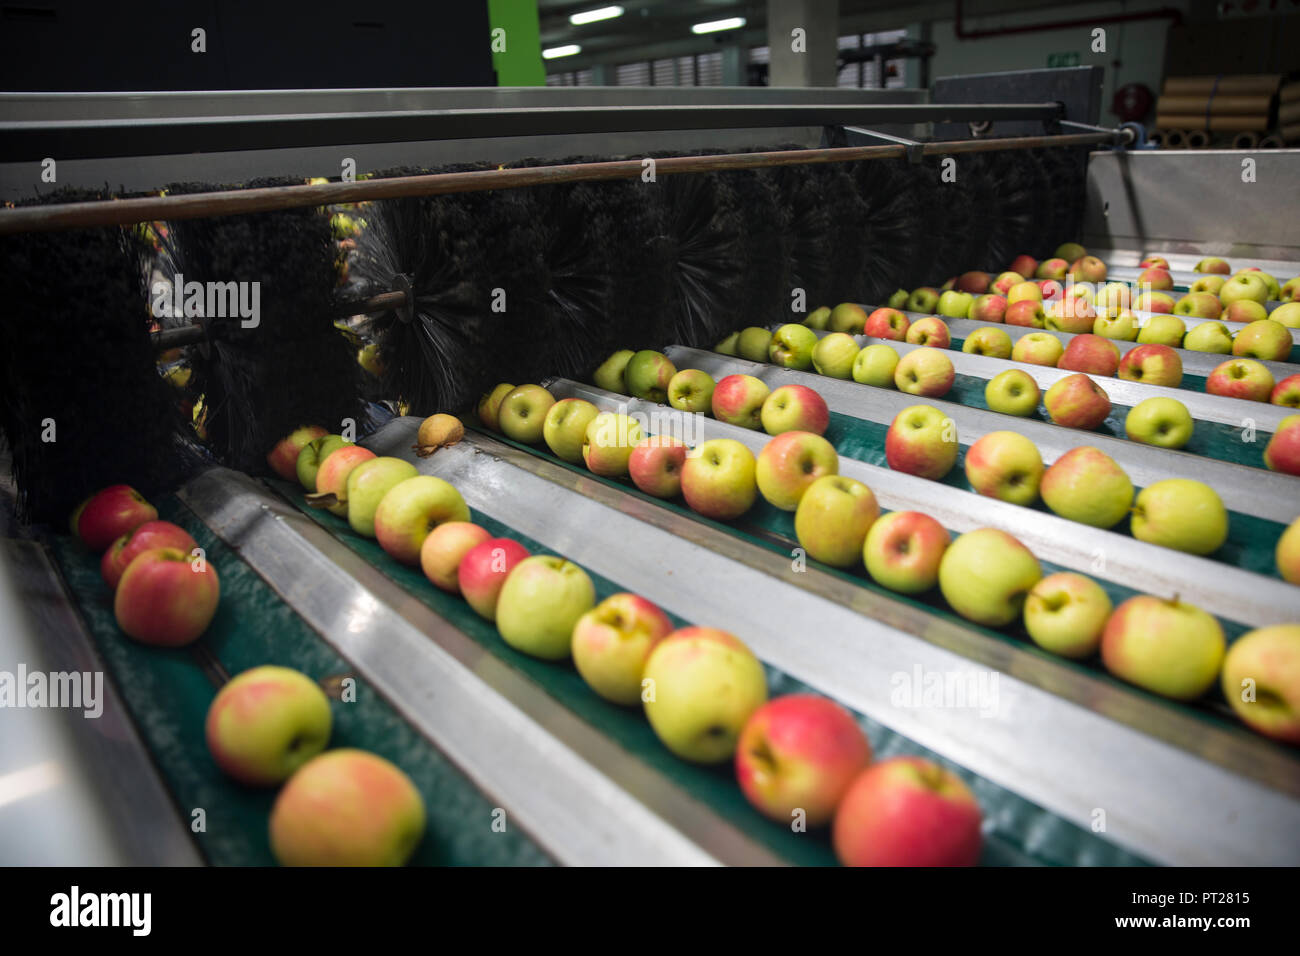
(1017, 832)
(168, 694)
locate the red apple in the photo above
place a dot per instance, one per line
(1024, 265)
(989, 308)
(1076, 401)
(483, 571)
(443, 549)
(1055, 269)
(1283, 450)
(1090, 353)
(1152, 365)
(166, 597)
(973, 282)
(283, 458)
(1287, 392)
(1154, 262)
(931, 331)
(612, 641)
(1241, 378)
(738, 400)
(1004, 282)
(1157, 279)
(1027, 313)
(886, 324)
(108, 514)
(150, 535)
(794, 408)
(656, 465)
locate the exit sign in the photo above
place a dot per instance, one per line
(1062, 59)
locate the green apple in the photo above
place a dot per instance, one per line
(903, 550)
(833, 518)
(1154, 302)
(1162, 330)
(923, 299)
(1152, 365)
(1212, 284)
(1166, 647)
(1013, 392)
(648, 374)
(1198, 305)
(1038, 348)
(368, 483)
(753, 343)
(608, 444)
(718, 479)
(728, 345)
(411, 509)
(1006, 466)
(790, 463)
(986, 574)
(1287, 314)
(1244, 311)
(1290, 290)
(792, 347)
(1213, 264)
(609, 374)
(875, 365)
(898, 300)
(1113, 297)
(313, 455)
(955, 305)
(818, 318)
(1265, 340)
(922, 441)
(1055, 268)
(1244, 285)
(795, 408)
(1181, 514)
(565, 427)
(1024, 292)
(266, 723)
(541, 602)
(1163, 422)
(1120, 325)
(701, 686)
(925, 372)
(489, 405)
(612, 641)
(1209, 337)
(1065, 613)
(990, 341)
(691, 390)
(522, 415)
(833, 355)
(1086, 485)
(283, 458)
(1070, 251)
(847, 317)
(1261, 680)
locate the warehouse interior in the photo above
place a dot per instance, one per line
(666, 433)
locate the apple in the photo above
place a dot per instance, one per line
(847, 317)
(609, 375)
(753, 344)
(313, 455)
(738, 400)
(1081, 292)
(976, 283)
(1162, 330)
(489, 405)
(522, 414)
(368, 483)
(924, 372)
(1163, 422)
(1090, 353)
(898, 300)
(283, 458)
(1023, 265)
(110, 513)
(266, 723)
(1290, 291)
(443, 550)
(1213, 264)
(1244, 285)
(703, 686)
(886, 324)
(1121, 326)
(1086, 485)
(989, 308)
(152, 534)
(922, 441)
(794, 408)
(1283, 450)
(1241, 378)
(1181, 514)
(789, 463)
(565, 427)
(1038, 348)
(1266, 340)
(903, 549)
(1156, 278)
(1055, 268)
(990, 341)
(718, 479)
(1073, 315)
(1013, 392)
(1024, 292)
(1287, 392)
(792, 347)
(907, 811)
(875, 365)
(1113, 296)
(1152, 365)
(1213, 284)
(1070, 251)
(1154, 262)
(833, 355)
(648, 373)
(1287, 314)
(656, 465)
(728, 345)
(612, 641)
(1198, 305)
(332, 478)
(948, 285)
(483, 570)
(691, 390)
(166, 597)
(1051, 289)
(436, 432)
(923, 299)
(820, 318)
(832, 520)
(1154, 302)
(1244, 311)
(986, 575)
(1167, 647)
(931, 331)
(368, 358)
(1005, 466)
(1088, 269)
(1076, 401)
(955, 305)
(410, 510)
(541, 602)
(347, 808)
(1003, 283)
(1261, 681)
(610, 439)
(1211, 337)
(799, 754)
(1065, 613)
(1274, 292)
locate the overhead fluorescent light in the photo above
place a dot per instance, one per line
(713, 26)
(594, 16)
(557, 51)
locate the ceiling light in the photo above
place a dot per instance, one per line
(713, 26)
(556, 51)
(592, 16)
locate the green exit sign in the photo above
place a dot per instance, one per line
(1062, 59)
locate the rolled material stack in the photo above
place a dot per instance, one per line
(1202, 110)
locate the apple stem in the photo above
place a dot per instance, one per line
(325, 499)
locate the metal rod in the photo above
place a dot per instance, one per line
(127, 212)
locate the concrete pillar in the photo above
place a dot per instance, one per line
(735, 60)
(813, 62)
